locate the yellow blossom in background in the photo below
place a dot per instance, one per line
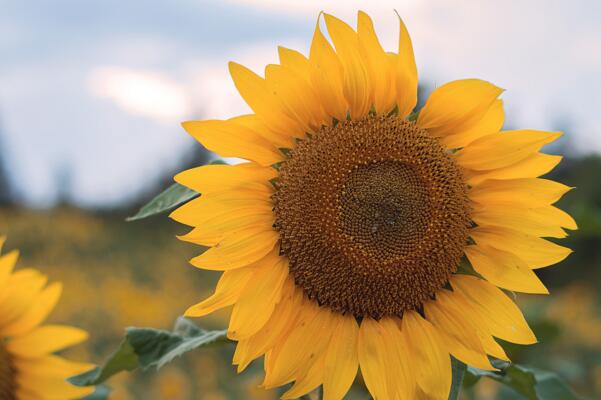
(28, 367)
(576, 309)
(172, 384)
(341, 240)
(120, 388)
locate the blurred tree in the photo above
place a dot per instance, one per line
(6, 191)
(63, 178)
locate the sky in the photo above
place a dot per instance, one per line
(96, 90)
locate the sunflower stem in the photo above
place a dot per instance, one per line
(458, 371)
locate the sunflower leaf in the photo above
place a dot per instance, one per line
(458, 371)
(147, 347)
(156, 348)
(531, 383)
(124, 359)
(168, 199)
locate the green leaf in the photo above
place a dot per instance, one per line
(157, 348)
(170, 198)
(124, 359)
(146, 347)
(531, 383)
(458, 371)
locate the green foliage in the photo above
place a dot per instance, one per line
(458, 371)
(146, 347)
(531, 383)
(168, 199)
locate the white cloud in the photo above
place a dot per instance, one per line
(147, 93)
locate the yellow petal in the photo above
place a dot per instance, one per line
(237, 201)
(531, 192)
(504, 269)
(372, 358)
(255, 91)
(49, 387)
(237, 250)
(42, 305)
(351, 55)
(458, 304)
(228, 290)
(311, 333)
(457, 104)
(401, 377)
(542, 221)
(430, 359)
(531, 167)
(491, 346)
(277, 328)
(491, 122)
(7, 264)
(327, 76)
(459, 338)
(534, 251)
(380, 70)
(215, 178)
(51, 365)
(230, 139)
(310, 379)
(295, 61)
(217, 226)
(19, 294)
(406, 73)
(279, 139)
(45, 340)
(499, 314)
(559, 216)
(254, 307)
(503, 149)
(342, 360)
(296, 94)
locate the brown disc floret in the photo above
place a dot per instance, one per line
(373, 216)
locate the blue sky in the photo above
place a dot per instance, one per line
(98, 88)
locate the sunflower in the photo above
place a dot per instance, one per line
(28, 369)
(363, 234)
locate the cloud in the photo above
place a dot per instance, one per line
(140, 92)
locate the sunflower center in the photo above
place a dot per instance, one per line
(372, 215)
(381, 206)
(7, 375)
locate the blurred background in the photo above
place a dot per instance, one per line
(91, 97)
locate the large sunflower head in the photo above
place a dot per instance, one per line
(363, 233)
(28, 369)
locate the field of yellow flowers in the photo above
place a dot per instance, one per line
(119, 274)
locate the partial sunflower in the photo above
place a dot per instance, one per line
(28, 369)
(340, 241)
